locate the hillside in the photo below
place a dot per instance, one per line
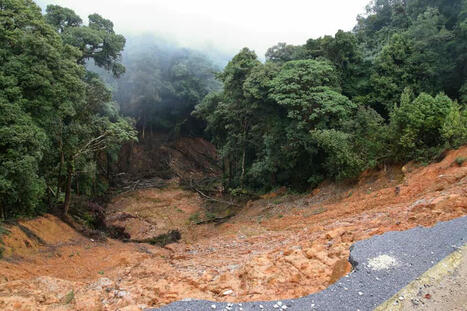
(281, 246)
(140, 168)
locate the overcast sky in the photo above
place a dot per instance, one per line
(229, 25)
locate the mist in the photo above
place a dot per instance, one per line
(224, 26)
(163, 83)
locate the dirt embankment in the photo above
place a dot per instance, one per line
(281, 246)
(158, 156)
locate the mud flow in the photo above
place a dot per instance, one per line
(276, 247)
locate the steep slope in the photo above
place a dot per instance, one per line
(280, 246)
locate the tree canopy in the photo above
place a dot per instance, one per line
(55, 117)
(393, 89)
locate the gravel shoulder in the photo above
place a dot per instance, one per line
(445, 294)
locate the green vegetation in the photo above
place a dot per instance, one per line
(162, 85)
(195, 217)
(57, 120)
(393, 89)
(461, 160)
(3, 231)
(162, 239)
(68, 298)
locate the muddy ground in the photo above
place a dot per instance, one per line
(281, 246)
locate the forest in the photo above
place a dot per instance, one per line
(73, 92)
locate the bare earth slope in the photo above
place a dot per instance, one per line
(275, 248)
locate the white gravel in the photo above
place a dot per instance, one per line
(382, 262)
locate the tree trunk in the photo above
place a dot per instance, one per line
(66, 206)
(109, 166)
(230, 165)
(243, 164)
(77, 184)
(245, 133)
(59, 176)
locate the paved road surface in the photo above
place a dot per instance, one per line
(383, 265)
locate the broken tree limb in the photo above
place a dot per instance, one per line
(211, 198)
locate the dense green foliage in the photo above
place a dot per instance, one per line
(56, 119)
(393, 89)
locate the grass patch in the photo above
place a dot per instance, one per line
(163, 239)
(210, 216)
(460, 160)
(195, 218)
(68, 297)
(154, 200)
(3, 230)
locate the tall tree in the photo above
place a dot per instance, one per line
(40, 82)
(235, 113)
(96, 41)
(53, 113)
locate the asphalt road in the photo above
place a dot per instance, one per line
(383, 265)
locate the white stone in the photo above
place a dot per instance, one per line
(360, 293)
(213, 306)
(382, 262)
(227, 292)
(121, 293)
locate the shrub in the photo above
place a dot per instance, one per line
(420, 128)
(461, 160)
(454, 129)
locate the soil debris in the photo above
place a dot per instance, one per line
(277, 247)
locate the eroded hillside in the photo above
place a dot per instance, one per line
(280, 246)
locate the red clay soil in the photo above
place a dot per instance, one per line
(281, 246)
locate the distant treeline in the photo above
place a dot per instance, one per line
(162, 85)
(393, 89)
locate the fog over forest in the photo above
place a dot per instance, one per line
(223, 26)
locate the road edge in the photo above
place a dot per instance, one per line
(445, 267)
